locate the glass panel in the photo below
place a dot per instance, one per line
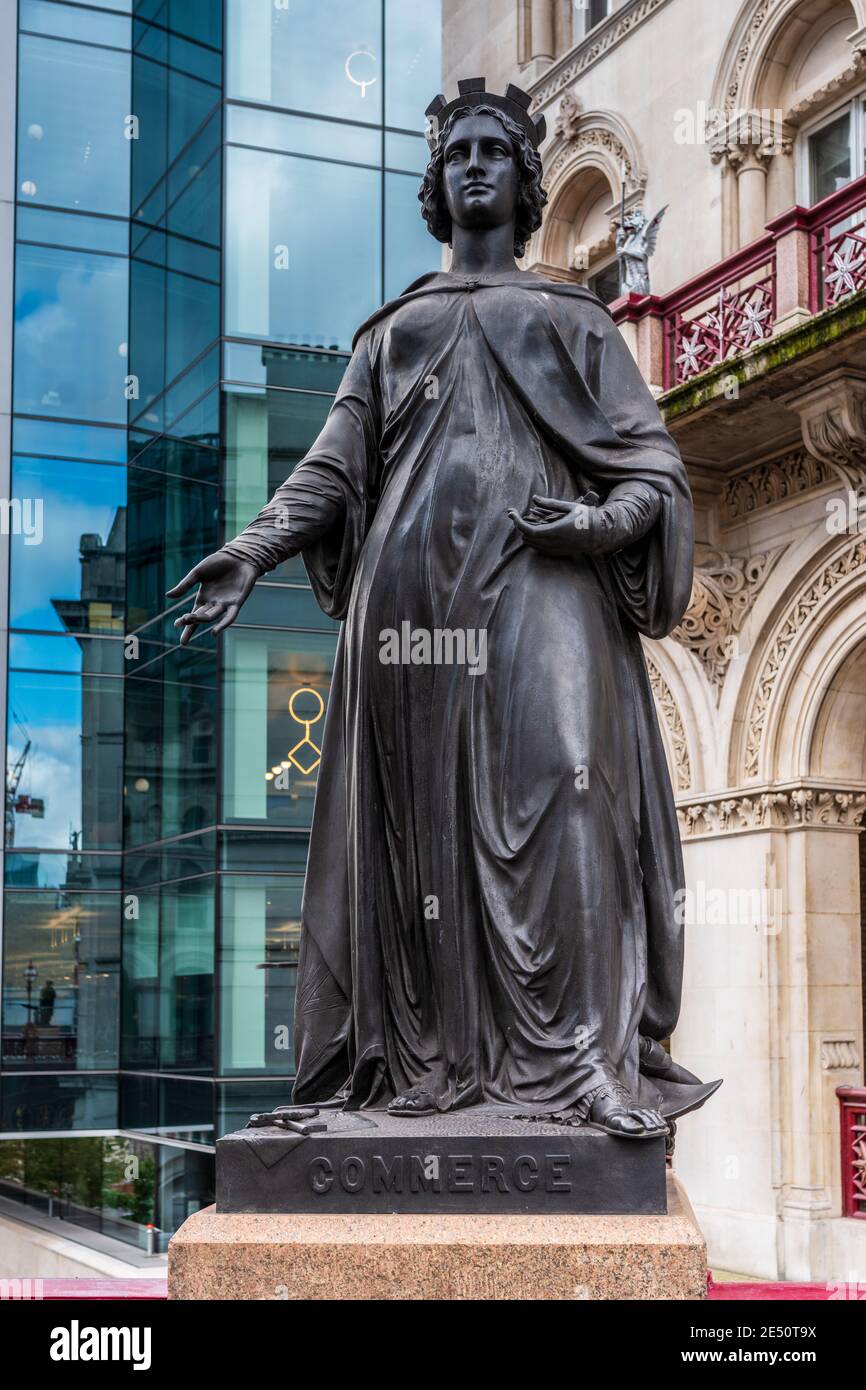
(186, 952)
(74, 583)
(606, 283)
(140, 1031)
(413, 47)
(266, 436)
(410, 250)
(31, 652)
(58, 1102)
(70, 334)
(280, 606)
(68, 21)
(170, 753)
(308, 279)
(830, 157)
(64, 759)
(270, 366)
(409, 153)
(60, 978)
(64, 441)
(68, 229)
(47, 870)
(320, 56)
(73, 149)
(273, 130)
(260, 926)
(276, 691)
(237, 1100)
(264, 850)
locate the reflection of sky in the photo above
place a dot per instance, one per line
(72, 149)
(296, 57)
(78, 499)
(413, 45)
(70, 334)
(333, 279)
(49, 707)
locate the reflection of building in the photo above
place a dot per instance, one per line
(185, 301)
(748, 120)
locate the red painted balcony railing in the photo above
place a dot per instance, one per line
(807, 260)
(852, 1124)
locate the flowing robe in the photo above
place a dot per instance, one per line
(490, 901)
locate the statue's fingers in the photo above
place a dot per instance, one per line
(207, 612)
(528, 528)
(185, 584)
(228, 618)
(553, 504)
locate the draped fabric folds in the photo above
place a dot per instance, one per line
(490, 899)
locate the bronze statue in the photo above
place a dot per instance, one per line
(496, 512)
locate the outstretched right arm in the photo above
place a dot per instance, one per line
(332, 483)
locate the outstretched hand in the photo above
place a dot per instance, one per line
(554, 526)
(225, 582)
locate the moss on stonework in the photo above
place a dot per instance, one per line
(820, 331)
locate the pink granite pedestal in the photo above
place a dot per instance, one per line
(216, 1256)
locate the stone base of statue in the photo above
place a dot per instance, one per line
(411, 1257)
(476, 1203)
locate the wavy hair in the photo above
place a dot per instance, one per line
(531, 197)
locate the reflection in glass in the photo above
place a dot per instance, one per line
(74, 582)
(275, 130)
(70, 334)
(276, 691)
(60, 978)
(830, 157)
(64, 757)
(266, 433)
(308, 279)
(413, 45)
(320, 56)
(409, 248)
(259, 935)
(72, 146)
(58, 1102)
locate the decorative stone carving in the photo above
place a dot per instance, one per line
(845, 563)
(595, 46)
(723, 592)
(839, 1054)
(567, 121)
(667, 707)
(772, 482)
(602, 140)
(832, 413)
(797, 806)
(801, 110)
(756, 24)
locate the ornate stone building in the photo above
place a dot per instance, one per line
(748, 119)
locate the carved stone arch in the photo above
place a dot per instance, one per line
(582, 166)
(757, 106)
(765, 34)
(818, 619)
(675, 720)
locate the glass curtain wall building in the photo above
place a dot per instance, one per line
(210, 197)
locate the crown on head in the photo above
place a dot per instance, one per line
(473, 92)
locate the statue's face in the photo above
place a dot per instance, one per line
(481, 175)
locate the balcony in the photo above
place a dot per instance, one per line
(809, 262)
(852, 1126)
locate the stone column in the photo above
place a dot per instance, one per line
(751, 167)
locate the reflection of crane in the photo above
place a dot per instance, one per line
(22, 805)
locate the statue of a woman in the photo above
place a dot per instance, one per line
(490, 909)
